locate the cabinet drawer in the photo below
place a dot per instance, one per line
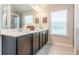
(25, 36)
(36, 34)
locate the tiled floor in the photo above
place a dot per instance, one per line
(45, 50)
(50, 49)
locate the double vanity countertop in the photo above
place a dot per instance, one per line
(18, 32)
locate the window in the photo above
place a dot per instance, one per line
(59, 22)
(28, 19)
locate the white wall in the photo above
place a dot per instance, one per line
(77, 28)
(77, 15)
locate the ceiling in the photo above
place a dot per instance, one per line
(21, 7)
(27, 7)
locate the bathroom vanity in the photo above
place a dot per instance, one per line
(23, 43)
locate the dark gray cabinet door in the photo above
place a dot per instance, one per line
(41, 39)
(8, 45)
(44, 39)
(46, 36)
(24, 45)
(35, 42)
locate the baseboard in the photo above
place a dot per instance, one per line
(63, 44)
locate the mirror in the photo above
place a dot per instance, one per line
(4, 18)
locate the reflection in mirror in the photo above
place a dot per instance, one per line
(15, 21)
(4, 18)
(28, 20)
